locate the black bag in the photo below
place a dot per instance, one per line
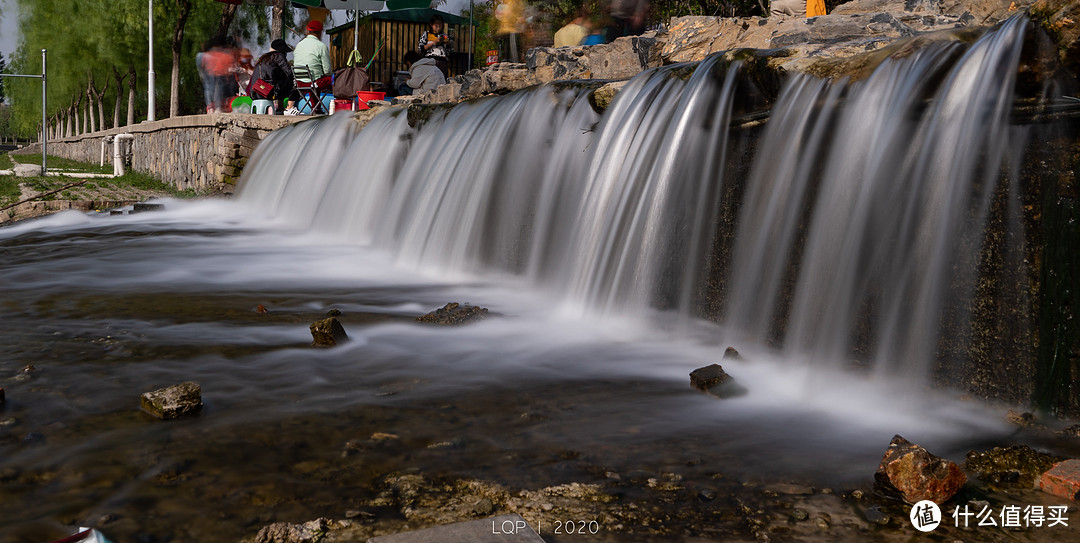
(350, 79)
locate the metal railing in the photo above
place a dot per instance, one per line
(44, 105)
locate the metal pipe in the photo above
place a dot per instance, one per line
(150, 98)
(44, 118)
(118, 158)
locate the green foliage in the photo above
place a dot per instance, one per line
(9, 189)
(484, 17)
(100, 35)
(5, 161)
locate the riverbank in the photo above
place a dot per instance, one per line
(37, 196)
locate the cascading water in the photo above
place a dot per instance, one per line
(858, 201)
(878, 198)
(862, 210)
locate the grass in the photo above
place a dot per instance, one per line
(58, 163)
(98, 188)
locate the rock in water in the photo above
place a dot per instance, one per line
(1, 395)
(1062, 480)
(714, 380)
(327, 333)
(731, 353)
(909, 472)
(174, 402)
(454, 313)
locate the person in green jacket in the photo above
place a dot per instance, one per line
(313, 53)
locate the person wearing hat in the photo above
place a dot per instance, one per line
(313, 53)
(273, 68)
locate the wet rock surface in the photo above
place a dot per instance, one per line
(909, 472)
(1062, 480)
(177, 401)
(1018, 466)
(714, 380)
(453, 314)
(328, 332)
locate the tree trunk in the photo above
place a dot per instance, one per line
(178, 42)
(131, 96)
(90, 95)
(79, 125)
(99, 100)
(227, 14)
(277, 20)
(119, 93)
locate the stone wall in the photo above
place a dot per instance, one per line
(200, 152)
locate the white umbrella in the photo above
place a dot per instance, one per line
(355, 5)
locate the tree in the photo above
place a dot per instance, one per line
(177, 47)
(3, 69)
(109, 41)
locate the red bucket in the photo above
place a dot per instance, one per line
(364, 96)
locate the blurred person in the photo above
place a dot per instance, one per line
(244, 70)
(424, 74)
(797, 8)
(596, 29)
(627, 18)
(574, 32)
(219, 62)
(436, 44)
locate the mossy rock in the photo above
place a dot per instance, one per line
(1012, 467)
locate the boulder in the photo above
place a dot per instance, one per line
(625, 57)
(1062, 480)
(558, 64)
(1061, 18)
(604, 95)
(714, 380)
(174, 402)
(454, 314)
(692, 38)
(1015, 467)
(327, 333)
(910, 473)
(27, 170)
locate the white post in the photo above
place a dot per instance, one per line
(150, 84)
(44, 118)
(472, 38)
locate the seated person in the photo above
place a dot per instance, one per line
(313, 53)
(435, 44)
(273, 68)
(424, 74)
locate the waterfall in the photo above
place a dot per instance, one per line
(861, 214)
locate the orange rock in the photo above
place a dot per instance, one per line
(1062, 480)
(261, 309)
(909, 472)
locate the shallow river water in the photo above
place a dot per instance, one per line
(106, 308)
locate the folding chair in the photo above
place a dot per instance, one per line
(309, 91)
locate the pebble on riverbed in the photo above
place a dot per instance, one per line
(174, 402)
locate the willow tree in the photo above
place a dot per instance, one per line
(108, 38)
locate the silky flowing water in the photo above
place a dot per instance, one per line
(591, 239)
